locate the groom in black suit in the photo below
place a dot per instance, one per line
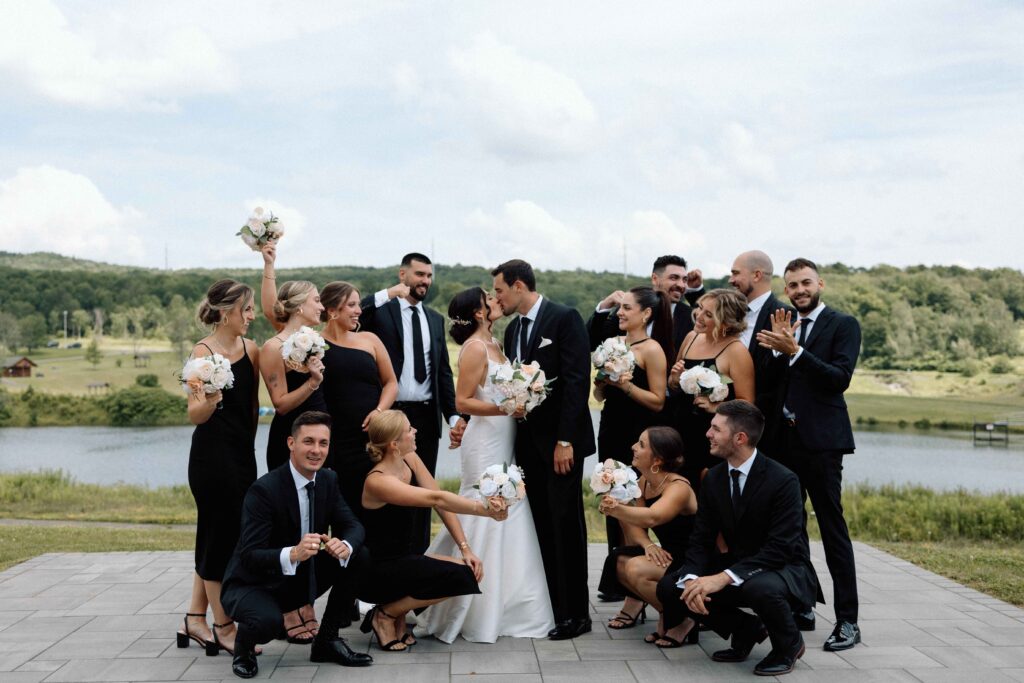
(555, 437)
(817, 355)
(754, 504)
(285, 557)
(413, 334)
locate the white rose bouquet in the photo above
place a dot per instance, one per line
(303, 345)
(208, 375)
(516, 386)
(702, 381)
(262, 227)
(613, 360)
(615, 479)
(501, 486)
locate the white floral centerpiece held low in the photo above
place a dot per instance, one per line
(300, 347)
(501, 486)
(207, 375)
(613, 360)
(517, 386)
(615, 479)
(703, 381)
(261, 228)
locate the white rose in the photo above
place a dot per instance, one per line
(249, 240)
(631, 474)
(256, 227)
(620, 477)
(633, 491)
(258, 213)
(719, 393)
(501, 478)
(204, 370)
(619, 493)
(508, 490)
(493, 470)
(515, 474)
(488, 488)
(503, 373)
(596, 485)
(297, 355)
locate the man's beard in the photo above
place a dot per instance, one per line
(811, 305)
(745, 292)
(414, 292)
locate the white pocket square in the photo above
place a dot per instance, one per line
(544, 341)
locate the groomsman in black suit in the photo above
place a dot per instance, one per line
(817, 354)
(553, 440)
(414, 337)
(285, 557)
(751, 275)
(754, 503)
(669, 276)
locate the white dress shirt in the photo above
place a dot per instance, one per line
(532, 315)
(287, 566)
(808, 322)
(753, 310)
(744, 471)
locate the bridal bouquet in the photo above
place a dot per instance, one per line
(702, 381)
(208, 374)
(519, 386)
(260, 229)
(615, 479)
(303, 345)
(501, 486)
(613, 360)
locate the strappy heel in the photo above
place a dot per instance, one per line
(628, 621)
(214, 646)
(396, 645)
(184, 638)
(692, 637)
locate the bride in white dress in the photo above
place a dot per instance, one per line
(514, 595)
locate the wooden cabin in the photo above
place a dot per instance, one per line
(18, 366)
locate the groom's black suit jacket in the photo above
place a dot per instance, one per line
(386, 323)
(565, 413)
(271, 521)
(766, 534)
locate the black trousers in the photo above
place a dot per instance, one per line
(423, 417)
(821, 478)
(766, 594)
(556, 501)
(258, 611)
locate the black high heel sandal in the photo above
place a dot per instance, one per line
(367, 626)
(692, 637)
(184, 638)
(628, 621)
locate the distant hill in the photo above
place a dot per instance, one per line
(45, 260)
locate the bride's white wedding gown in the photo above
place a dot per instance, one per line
(514, 596)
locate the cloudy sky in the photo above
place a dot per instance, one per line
(867, 132)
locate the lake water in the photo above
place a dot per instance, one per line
(158, 456)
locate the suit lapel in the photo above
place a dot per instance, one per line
(754, 481)
(395, 310)
(762, 321)
(290, 495)
(535, 335)
(821, 323)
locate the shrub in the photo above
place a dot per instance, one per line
(147, 380)
(1002, 366)
(140, 406)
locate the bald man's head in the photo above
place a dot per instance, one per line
(752, 274)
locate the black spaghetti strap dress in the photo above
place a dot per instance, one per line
(281, 426)
(221, 467)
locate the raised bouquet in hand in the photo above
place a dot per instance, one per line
(207, 375)
(702, 381)
(613, 360)
(501, 486)
(262, 227)
(615, 479)
(303, 345)
(517, 386)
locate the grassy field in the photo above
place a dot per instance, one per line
(20, 543)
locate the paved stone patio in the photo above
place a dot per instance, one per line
(112, 617)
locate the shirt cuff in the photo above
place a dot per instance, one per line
(287, 566)
(796, 355)
(598, 309)
(681, 583)
(380, 298)
(691, 290)
(344, 562)
(453, 420)
(735, 579)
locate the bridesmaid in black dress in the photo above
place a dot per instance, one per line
(718, 320)
(667, 508)
(359, 382)
(400, 578)
(633, 404)
(222, 461)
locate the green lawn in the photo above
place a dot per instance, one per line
(20, 543)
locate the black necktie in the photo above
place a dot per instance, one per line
(524, 336)
(419, 364)
(310, 487)
(805, 324)
(735, 490)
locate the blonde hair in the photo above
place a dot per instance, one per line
(384, 427)
(222, 296)
(333, 295)
(290, 298)
(729, 312)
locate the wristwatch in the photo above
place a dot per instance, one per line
(564, 444)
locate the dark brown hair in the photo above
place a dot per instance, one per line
(743, 416)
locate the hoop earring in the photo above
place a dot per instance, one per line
(333, 317)
(656, 471)
(359, 326)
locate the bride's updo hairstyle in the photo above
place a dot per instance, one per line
(221, 297)
(290, 297)
(334, 294)
(667, 446)
(462, 311)
(728, 310)
(384, 427)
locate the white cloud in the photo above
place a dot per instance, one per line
(116, 69)
(43, 208)
(526, 108)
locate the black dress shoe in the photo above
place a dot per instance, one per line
(610, 597)
(777, 665)
(804, 620)
(244, 664)
(845, 635)
(337, 650)
(743, 641)
(570, 628)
